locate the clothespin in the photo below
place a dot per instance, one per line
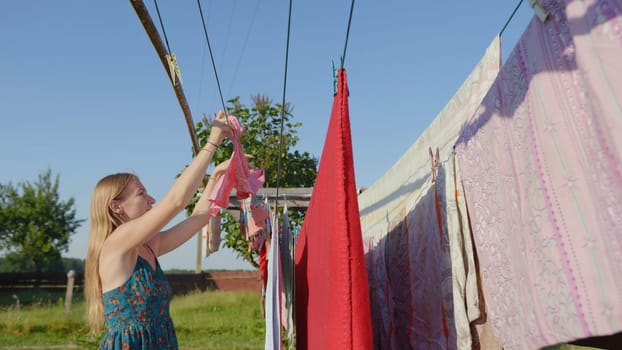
(173, 68)
(434, 161)
(334, 78)
(540, 11)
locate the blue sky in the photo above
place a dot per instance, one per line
(83, 92)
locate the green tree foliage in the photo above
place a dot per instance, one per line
(74, 264)
(261, 139)
(35, 225)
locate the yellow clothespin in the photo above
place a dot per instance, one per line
(173, 68)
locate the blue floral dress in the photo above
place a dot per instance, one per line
(137, 312)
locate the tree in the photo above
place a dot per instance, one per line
(261, 138)
(35, 225)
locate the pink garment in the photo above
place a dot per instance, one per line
(246, 181)
(257, 221)
(541, 162)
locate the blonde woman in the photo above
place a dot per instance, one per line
(125, 287)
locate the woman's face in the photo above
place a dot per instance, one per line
(134, 200)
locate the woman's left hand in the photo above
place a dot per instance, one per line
(224, 165)
(221, 168)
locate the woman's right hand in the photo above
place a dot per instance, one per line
(220, 129)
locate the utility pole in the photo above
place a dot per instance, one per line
(154, 36)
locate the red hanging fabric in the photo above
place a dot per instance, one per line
(332, 295)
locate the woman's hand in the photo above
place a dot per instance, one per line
(220, 129)
(221, 168)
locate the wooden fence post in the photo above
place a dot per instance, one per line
(71, 276)
(17, 306)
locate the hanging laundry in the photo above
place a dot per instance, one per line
(462, 282)
(255, 227)
(287, 282)
(239, 174)
(541, 162)
(382, 321)
(210, 236)
(273, 292)
(408, 230)
(332, 297)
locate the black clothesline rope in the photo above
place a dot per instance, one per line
(283, 111)
(345, 45)
(168, 48)
(209, 46)
(511, 16)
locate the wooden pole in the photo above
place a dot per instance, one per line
(154, 36)
(71, 276)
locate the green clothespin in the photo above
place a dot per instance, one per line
(334, 78)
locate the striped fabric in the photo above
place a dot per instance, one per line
(542, 171)
(272, 314)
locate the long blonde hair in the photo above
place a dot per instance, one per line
(103, 222)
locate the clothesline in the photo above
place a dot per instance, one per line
(510, 18)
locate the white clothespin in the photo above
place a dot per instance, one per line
(173, 68)
(540, 11)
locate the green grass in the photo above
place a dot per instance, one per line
(44, 325)
(203, 320)
(213, 320)
(219, 320)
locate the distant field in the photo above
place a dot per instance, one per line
(30, 296)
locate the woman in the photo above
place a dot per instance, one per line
(124, 284)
